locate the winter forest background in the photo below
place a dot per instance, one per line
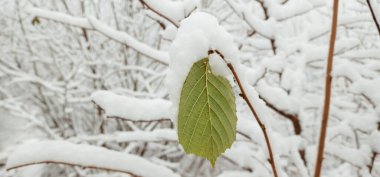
(75, 73)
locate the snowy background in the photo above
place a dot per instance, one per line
(85, 84)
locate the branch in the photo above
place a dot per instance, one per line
(373, 158)
(293, 118)
(328, 79)
(92, 23)
(257, 25)
(373, 16)
(63, 152)
(159, 13)
(245, 97)
(272, 41)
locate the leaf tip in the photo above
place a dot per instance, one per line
(212, 163)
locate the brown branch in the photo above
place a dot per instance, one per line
(64, 163)
(265, 10)
(302, 153)
(373, 158)
(293, 118)
(374, 16)
(328, 80)
(262, 126)
(256, 116)
(159, 13)
(295, 121)
(273, 45)
(296, 125)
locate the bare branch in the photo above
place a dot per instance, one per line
(256, 116)
(374, 16)
(293, 118)
(328, 79)
(159, 13)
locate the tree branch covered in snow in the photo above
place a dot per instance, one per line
(130, 108)
(78, 155)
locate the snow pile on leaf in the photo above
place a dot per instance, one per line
(197, 34)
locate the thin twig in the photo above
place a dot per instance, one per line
(159, 13)
(265, 10)
(374, 16)
(373, 158)
(328, 79)
(293, 118)
(261, 124)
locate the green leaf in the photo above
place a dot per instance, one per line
(207, 113)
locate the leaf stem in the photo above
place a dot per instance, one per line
(245, 97)
(326, 106)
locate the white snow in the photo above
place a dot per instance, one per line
(365, 122)
(363, 54)
(170, 32)
(84, 155)
(140, 136)
(368, 87)
(60, 17)
(375, 141)
(278, 97)
(258, 104)
(359, 157)
(265, 28)
(235, 174)
(347, 69)
(131, 108)
(290, 9)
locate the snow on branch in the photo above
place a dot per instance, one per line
(262, 27)
(315, 32)
(356, 157)
(93, 24)
(135, 136)
(130, 108)
(291, 9)
(63, 152)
